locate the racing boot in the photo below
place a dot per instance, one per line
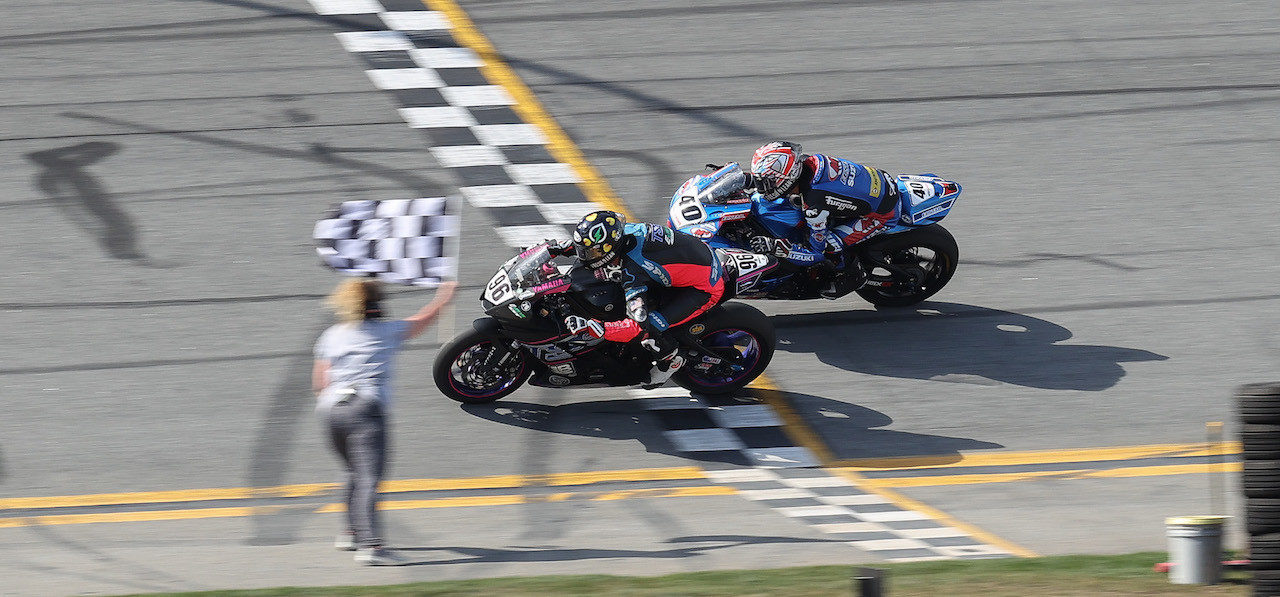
(851, 278)
(664, 366)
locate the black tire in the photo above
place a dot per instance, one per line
(457, 389)
(1260, 442)
(1268, 575)
(1264, 552)
(1259, 403)
(1268, 388)
(1262, 515)
(1261, 478)
(727, 318)
(1266, 588)
(933, 237)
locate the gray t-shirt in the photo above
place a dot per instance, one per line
(360, 356)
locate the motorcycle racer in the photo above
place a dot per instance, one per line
(668, 278)
(843, 203)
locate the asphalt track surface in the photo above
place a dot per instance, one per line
(163, 163)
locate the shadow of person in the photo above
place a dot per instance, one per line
(543, 553)
(68, 183)
(957, 343)
(849, 431)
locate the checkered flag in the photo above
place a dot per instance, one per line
(401, 241)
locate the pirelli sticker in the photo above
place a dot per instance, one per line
(875, 180)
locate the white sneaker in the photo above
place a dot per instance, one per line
(345, 542)
(378, 556)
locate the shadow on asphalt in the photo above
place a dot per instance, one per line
(850, 431)
(539, 553)
(956, 343)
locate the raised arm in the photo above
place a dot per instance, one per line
(419, 321)
(319, 375)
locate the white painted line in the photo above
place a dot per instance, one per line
(436, 117)
(404, 78)
(568, 213)
(703, 440)
(543, 173)
(934, 533)
(886, 544)
(346, 7)
(509, 134)
(802, 511)
(920, 559)
(783, 457)
(446, 57)
(374, 41)
(499, 195)
(775, 494)
(525, 236)
(957, 551)
(891, 516)
(416, 20)
(817, 482)
(670, 403)
(861, 499)
(745, 475)
(853, 527)
(658, 392)
(746, 415)
(477, 95)
(458, 156)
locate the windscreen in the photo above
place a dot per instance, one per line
(721, 185)
(527, 268)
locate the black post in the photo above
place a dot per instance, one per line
(869, 582)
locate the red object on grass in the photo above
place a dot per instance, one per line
(1166, 566)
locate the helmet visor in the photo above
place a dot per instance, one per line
(594, 256)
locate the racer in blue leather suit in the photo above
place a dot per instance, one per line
(843, 202)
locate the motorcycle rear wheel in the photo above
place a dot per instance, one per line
(456, 374)
(741, 328)
(928, 255)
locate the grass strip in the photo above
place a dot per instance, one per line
(1058, 576)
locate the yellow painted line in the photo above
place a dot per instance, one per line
(547, 480)
(975, 479)
(155, 515)
(392, 486)
(180, 495)
(1044, 456)
(559, 145)
(792, 423)
(907, 503)
(449, 502)
(800, 432)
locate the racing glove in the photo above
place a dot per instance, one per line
(562, 248)
(762, 245)
(581, 326)
(625, 330)
(765, 245)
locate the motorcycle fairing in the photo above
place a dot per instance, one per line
(924, 199)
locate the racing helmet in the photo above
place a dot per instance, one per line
(775, 167)
(598, 239)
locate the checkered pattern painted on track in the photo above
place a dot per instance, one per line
(501, 163)
(506, 171)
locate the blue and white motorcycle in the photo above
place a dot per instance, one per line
(907, 263)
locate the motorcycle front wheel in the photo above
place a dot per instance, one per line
(731, 329)
(906, 268)
(463, 370)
